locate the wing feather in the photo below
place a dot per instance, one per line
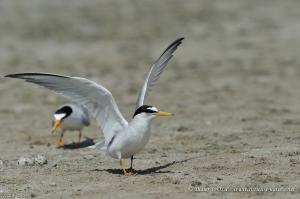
(94, 97)
(156, 70)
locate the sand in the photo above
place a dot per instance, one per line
(233, 85)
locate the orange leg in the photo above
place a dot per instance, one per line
(59, 140)
(125, 173)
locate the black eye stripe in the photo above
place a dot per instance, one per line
(150, 111)
(144, 109)
(66, 110)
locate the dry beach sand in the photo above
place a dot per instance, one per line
(233, 86)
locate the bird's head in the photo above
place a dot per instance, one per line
(149, 112)
(59, 116)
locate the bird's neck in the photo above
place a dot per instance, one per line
(141, 122)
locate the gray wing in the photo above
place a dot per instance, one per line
(156, 69)
(94, 97)
(83, 114)
(85, 117)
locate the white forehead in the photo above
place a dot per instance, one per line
(152, 108)
(59, 116)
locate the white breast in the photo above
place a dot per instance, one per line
(132, 140)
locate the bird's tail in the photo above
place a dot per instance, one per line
(99, 145)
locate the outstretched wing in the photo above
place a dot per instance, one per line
(97, 99)
(156, 69)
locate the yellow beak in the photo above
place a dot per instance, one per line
(161, 113)
(55, 125)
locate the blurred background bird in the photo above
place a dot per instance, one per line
(69, 117)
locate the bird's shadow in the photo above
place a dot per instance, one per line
(151, 170)
(85, 143)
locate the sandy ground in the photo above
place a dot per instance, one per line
(233, 85)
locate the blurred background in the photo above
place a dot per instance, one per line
(233, 83)
(237, 47)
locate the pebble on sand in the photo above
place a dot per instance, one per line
(23, 161)
(89, 157)
(37, 160)
(52, 184)
(40, 160)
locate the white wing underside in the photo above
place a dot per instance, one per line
(156, 70)
(94, 97)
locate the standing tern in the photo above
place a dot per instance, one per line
(121, 139)
(70, 117)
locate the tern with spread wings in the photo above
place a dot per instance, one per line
(121, 139)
